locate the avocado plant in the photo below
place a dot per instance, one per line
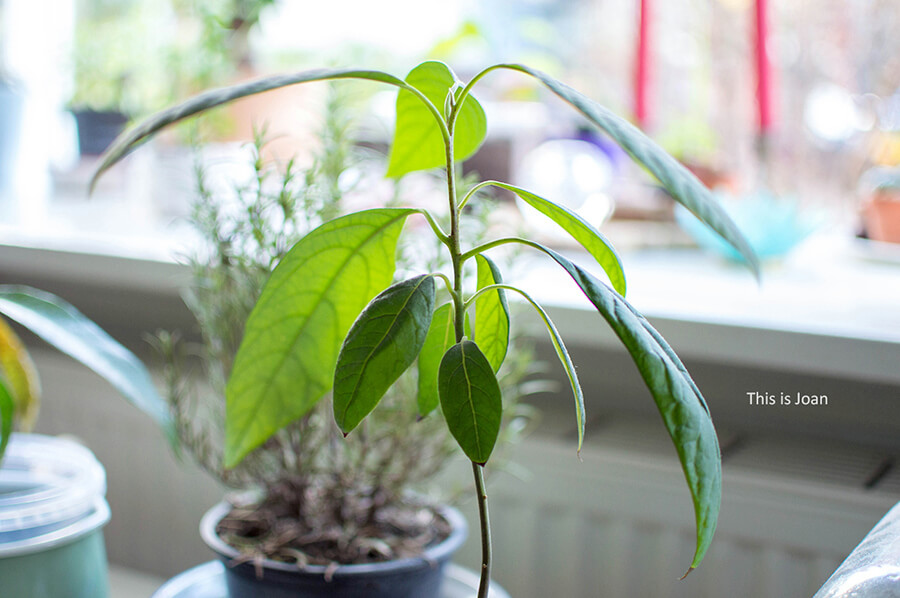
(330, 319)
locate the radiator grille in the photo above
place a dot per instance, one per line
(620, 523)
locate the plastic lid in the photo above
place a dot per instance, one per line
(46, 484)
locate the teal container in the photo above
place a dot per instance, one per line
(52, 513)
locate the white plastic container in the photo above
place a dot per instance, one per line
(52, 511)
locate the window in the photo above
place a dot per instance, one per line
(835, 87)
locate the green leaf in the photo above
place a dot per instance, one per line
(491, 314)
(129, 140)
(383, 342)
(441, 336)
(563, 354)
(7, 410)
(678, 181)
(418, 141)
(292, 338)
(682, 407)
(66, 329)
(580, 230)
(470, 400)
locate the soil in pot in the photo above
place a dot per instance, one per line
(302, 543)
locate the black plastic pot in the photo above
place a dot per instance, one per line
(97, 129)
(419, 577)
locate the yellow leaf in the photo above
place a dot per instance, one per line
(21, 377)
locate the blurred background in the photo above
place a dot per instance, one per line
(790, 111)
(822, 134)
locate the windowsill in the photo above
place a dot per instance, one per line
(128, 583)
(826, 310)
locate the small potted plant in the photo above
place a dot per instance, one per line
(115, 77)
(211, 47)
(52, 506)
(330, 317)
(101, 78)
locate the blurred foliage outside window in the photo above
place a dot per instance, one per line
(836, 67)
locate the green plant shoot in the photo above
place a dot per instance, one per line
(329, 317)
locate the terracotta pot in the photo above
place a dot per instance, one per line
(882, 216)
(290, 116)
(419, 577)
(714, 178)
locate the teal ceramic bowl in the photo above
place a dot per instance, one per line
(773, 226)
(52, 513)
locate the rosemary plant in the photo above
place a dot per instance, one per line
(312, 480)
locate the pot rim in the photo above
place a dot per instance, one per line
(76, 530)
(436, 553)
(47, 482)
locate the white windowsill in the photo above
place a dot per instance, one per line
(824, 311)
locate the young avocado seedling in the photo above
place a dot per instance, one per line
(330, 319)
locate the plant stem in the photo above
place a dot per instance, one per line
(496, 243)
(465, 92)
(484, 584)
(472, 192)
(455, 251)
(458, 321)
(447, 282)
(442, 237)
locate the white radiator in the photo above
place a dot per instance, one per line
(620, 523)
(617, 524)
